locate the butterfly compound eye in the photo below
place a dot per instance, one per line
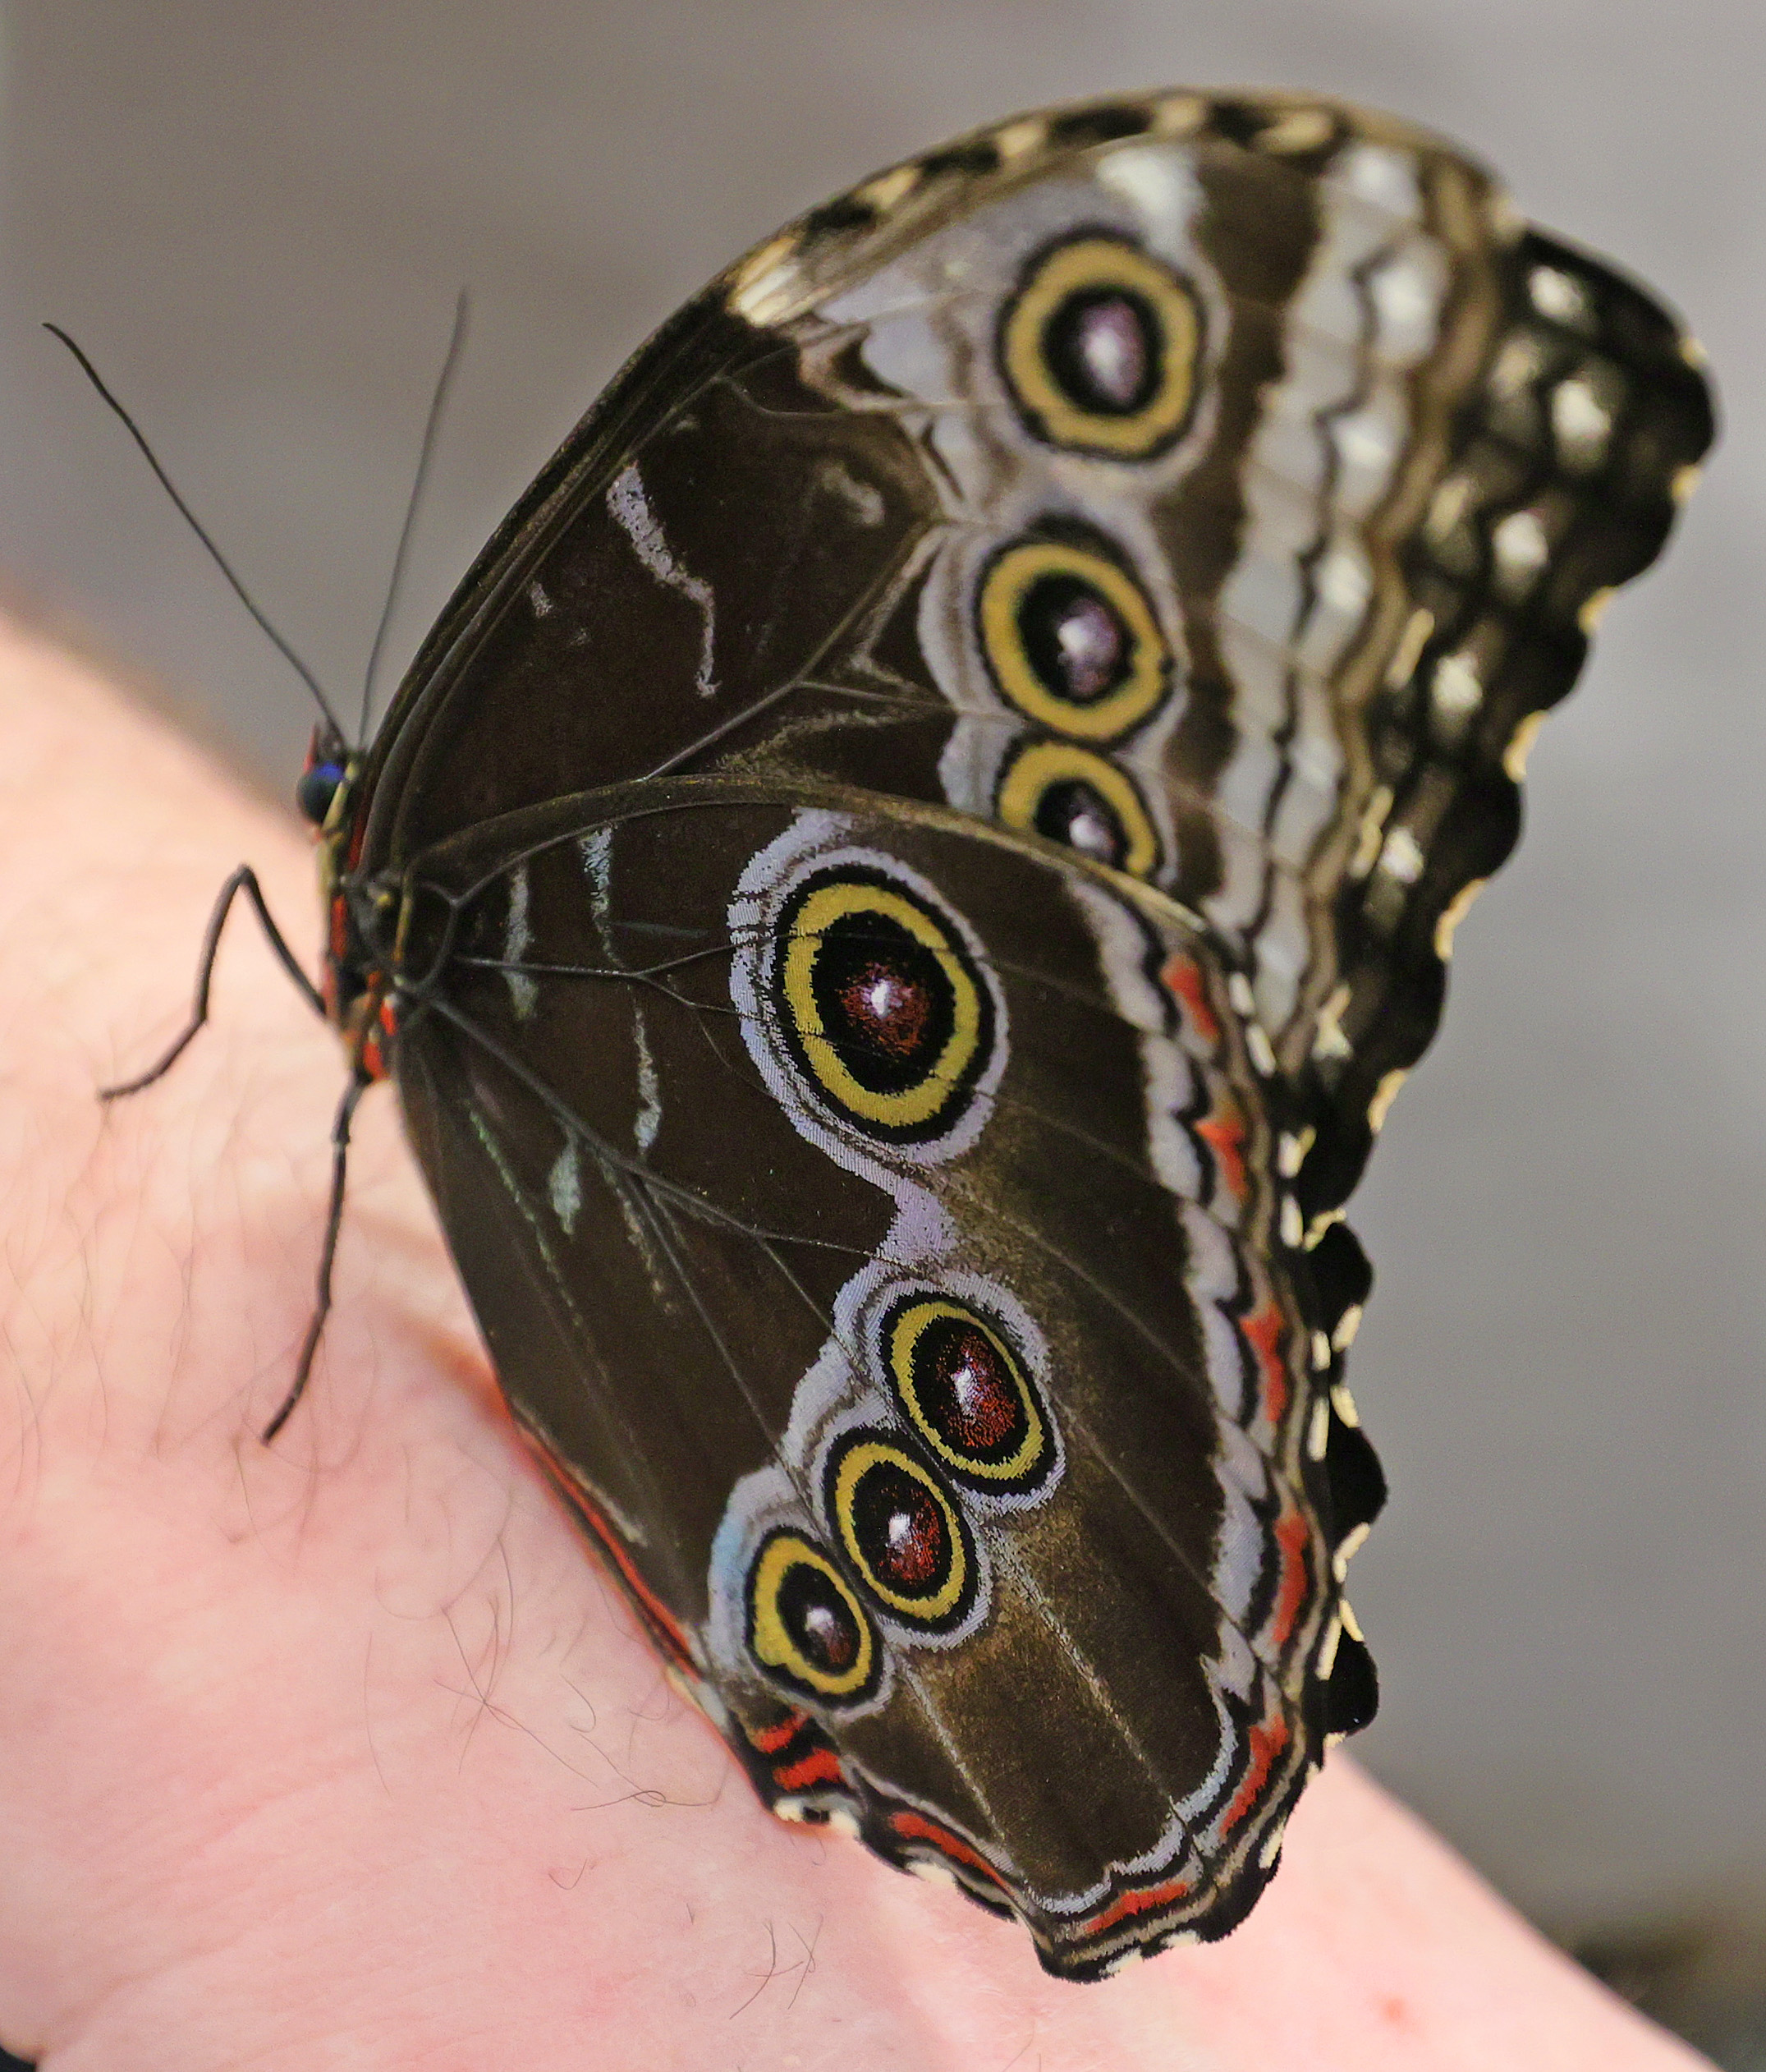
(317, 789)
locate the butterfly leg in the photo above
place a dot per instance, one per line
(340, 1159)
(244, 879)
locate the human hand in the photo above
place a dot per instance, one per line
(344, 1752)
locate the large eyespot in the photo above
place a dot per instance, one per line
(882, 1003)
(902, 1532)
(1070, 795)
(965, 1392)
(805, 1624)
(1070, 640)
(1099, 347)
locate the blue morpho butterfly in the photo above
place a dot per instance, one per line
(898, 895)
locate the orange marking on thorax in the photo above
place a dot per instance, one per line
(1182, 976)
(1263, 1329)
(1268, 1740)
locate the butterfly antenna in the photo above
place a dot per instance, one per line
(196, 526)
(444, 383)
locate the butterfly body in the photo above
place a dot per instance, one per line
(895, 895)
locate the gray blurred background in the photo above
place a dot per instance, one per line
(255, 217)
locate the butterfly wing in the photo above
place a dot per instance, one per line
(1221, 484)
(902, 1367)
(1073, 609)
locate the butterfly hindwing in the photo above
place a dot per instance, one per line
(791, 1219)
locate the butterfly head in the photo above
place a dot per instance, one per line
(325, 781)
(328, 797)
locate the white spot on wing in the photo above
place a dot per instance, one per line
(564, 1186)
(630, 507)
(649, 1115)
(864, 499)
(1558, 296)
(1522, 547)
(1155, 180)
(523, 992)
(1376, 173)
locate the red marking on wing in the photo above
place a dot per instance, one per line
(820, 1767)
(1223, 1133)
(1263, 1329)
(770, 1740)
(668, 1628)
(1147, 1900)
(916, 1827)
(1293, 1536)
(1183, 978)
(1268, 1739)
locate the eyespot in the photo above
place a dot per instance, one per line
(1072, 795)
(902, 1532)
(883, 1007)
(805, 1624)
(1070, 640)
(965, 1390)
(1099, 348)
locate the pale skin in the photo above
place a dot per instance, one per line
(344, 1752)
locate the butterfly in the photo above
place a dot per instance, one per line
(895, 900)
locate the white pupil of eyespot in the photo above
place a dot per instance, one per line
(1087, 638)
(1089, 832)
(1113, 352)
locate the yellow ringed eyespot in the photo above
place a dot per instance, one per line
(1100, 347)
(806, 1622)
(1070, 640)
(882, 1003)
(1072, 795)
(964, 1389)
(901, 1532)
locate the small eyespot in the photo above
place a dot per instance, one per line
(885, 1011)
(1099, 348)
(316, 789)
(901, 1532)
(965, 1390)
(1070, 640)
(806, 1626)
(1069, 795)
